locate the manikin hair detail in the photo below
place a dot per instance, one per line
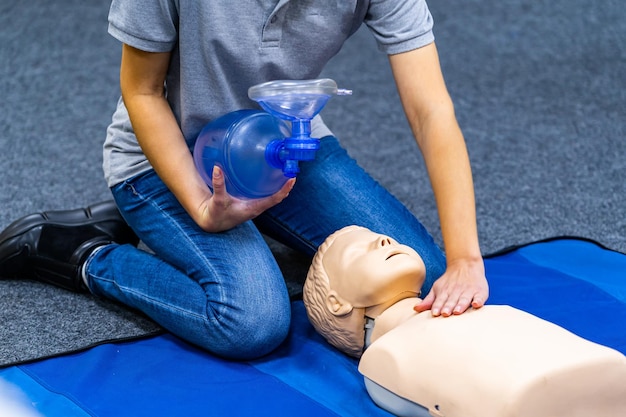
(345, 329)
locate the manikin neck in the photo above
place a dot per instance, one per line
(387, 316)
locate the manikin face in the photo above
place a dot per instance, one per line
(368, 269)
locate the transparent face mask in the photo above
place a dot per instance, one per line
(295, 99)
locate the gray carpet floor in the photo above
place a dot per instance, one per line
(540, 93)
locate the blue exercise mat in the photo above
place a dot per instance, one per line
(573, 283)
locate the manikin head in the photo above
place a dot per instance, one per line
(357, 273)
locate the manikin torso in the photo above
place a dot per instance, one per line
(497, 361)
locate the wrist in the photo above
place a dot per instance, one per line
(469, 253)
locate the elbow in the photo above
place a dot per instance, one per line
(435, 116)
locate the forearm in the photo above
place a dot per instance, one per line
(448, 165)
(163, 144)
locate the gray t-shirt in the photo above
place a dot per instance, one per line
(221, 48)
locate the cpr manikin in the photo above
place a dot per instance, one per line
(496, 361)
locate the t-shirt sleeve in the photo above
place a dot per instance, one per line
(149, 25)
(400, 25)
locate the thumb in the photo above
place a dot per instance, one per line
(217, 178)
(425, 304)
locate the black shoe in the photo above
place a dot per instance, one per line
(52, 246)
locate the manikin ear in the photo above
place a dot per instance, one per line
(337, 305)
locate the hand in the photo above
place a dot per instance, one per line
(221, 211)
(463, 284)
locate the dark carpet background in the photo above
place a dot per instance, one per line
(540, 93)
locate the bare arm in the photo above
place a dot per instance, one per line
(142, 78)
(430, 113)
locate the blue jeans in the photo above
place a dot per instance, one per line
(224, 291)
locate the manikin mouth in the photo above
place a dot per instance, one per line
(394, 254)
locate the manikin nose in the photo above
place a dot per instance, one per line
(384, 241)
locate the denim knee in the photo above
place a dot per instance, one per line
(250, 332)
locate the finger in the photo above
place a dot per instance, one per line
(455, 303)
(286, 189)
(263, 204)
(462, 305)
(478, 301)
(281, 194)
(440, 306)
(425, 304)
